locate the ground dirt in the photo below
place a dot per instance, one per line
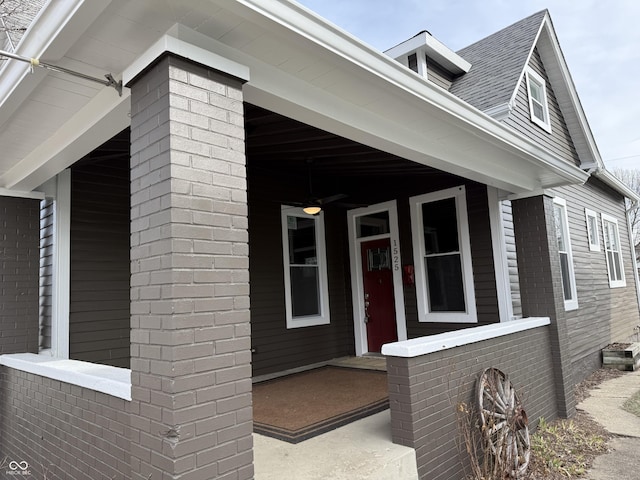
(566, 448)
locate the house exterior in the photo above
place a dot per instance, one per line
(156, 256)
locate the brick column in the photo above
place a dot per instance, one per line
(541, 285)
(190, 334)
(19, 270)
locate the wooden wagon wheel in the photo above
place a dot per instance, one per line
(504, 423)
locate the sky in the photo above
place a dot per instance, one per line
(600, 41)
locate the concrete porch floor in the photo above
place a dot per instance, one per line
(360, 450)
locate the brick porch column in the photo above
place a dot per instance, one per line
(541, 285)
(19, 269)
(190, 334)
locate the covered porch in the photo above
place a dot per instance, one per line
(226, 144)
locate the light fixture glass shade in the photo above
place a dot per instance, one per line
(311, 209)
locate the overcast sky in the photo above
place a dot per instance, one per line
(600, 41)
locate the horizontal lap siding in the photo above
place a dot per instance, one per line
(512, 258)
(604, 314)
(99, 321)
(277, 348)
(424, 393)
(438, 75)
(559, 141)
(64, 432)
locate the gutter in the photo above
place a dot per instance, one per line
(309, 25)
(614, 182)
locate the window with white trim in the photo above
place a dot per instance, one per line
(613, 252)
(593, 234)
(566, 258)
(442, 253)
(538, 105)
(305, 268)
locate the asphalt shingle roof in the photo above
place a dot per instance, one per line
(496, 64)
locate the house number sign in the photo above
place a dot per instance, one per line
(395, 255)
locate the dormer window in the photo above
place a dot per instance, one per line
(538, 106)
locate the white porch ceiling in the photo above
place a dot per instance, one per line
(300, 67)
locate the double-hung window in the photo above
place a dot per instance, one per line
(442, 253)
(592, 230)
(613, 252)
(564, 251)
(538, 105)
(305, 268)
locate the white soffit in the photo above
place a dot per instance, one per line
(303, 67)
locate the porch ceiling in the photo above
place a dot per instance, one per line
(300, 67)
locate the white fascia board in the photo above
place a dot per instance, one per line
(314, 28)
(444, 341)
(434, 49)
(618, 185)
(565, 90)
(172, 42)
(54, 30)
(104, 116)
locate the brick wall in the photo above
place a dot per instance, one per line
(19, 267)
(190, 337)
(425, 391)
(62, 431)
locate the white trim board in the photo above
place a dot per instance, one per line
(113, 381)
(444, 341)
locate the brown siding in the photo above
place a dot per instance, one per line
(604, 314)
(99, 319)
(269, 334)
(306, 345)
(558, 141)
(62, 431)
(19, 264)
(425, 391)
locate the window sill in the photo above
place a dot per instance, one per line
(113, 381)
(444, 341)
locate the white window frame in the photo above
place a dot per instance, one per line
(593, 235)
(533, 78)
(572, 303)
(424, 315)
(613, 283)
(310, 320)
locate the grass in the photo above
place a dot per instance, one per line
(565, 448)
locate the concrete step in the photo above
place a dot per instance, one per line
(361, 450)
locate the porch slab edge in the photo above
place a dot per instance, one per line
(444, 341)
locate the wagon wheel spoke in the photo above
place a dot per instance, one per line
(504, 424)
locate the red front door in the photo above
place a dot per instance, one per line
(380, 313)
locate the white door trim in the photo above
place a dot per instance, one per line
(357, 287)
